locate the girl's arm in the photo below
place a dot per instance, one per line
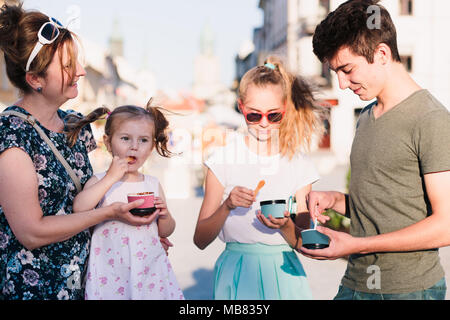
(166, 223)
(20, 203)
(95, 189)
(214, 213)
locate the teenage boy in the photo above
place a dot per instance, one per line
(398, 201)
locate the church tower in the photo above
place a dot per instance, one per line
(207, 82)
(116, 40)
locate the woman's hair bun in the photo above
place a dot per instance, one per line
(10, 17)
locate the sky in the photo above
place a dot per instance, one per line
(164, 33)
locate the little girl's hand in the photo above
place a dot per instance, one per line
(161, 206)
(166, 244)
(117, 168)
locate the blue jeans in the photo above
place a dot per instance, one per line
(436, 292)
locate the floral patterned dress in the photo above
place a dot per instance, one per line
(128, 262)
(53, 272)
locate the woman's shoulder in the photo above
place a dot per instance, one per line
(68, 112)
(15, 132)
(7, 119)
(86, 135)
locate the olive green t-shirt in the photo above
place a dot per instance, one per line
(390, 156)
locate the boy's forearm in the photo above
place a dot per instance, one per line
(430, 233)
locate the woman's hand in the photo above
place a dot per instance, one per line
(240, 197)
(117, 169)
(121, 212)
(272, 222)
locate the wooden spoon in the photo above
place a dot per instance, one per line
(260, 185)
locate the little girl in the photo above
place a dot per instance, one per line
(259, 262)
(128, 262)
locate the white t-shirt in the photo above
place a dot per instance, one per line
(236, 165)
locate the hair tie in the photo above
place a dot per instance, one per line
(107, 115)
(270, 66)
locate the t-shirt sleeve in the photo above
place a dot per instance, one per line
(14, 134)
(433, 142)
(216, 163)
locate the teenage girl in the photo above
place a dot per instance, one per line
(259, 261)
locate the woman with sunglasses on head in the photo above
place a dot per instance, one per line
(259, 262)
(43, 246)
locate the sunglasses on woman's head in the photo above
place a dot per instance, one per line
(47, 34)
(255, 117)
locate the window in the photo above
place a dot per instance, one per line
(407, 62)
(406, 7)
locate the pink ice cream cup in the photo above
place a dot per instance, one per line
(148, 207)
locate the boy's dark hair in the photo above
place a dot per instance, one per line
(351, 25)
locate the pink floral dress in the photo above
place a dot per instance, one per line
(127, 262)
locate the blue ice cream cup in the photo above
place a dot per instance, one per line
(275, 208)
(313, 239)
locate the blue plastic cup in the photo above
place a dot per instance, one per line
(313, 239)
(275, 208)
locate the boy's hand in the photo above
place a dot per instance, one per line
(318, 203)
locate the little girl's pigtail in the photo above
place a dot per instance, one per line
(161, 126)
(74, 123)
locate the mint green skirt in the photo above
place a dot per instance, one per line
(260, 272)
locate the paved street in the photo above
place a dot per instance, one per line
(194, 268)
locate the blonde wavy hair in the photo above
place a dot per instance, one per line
(304, 116)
